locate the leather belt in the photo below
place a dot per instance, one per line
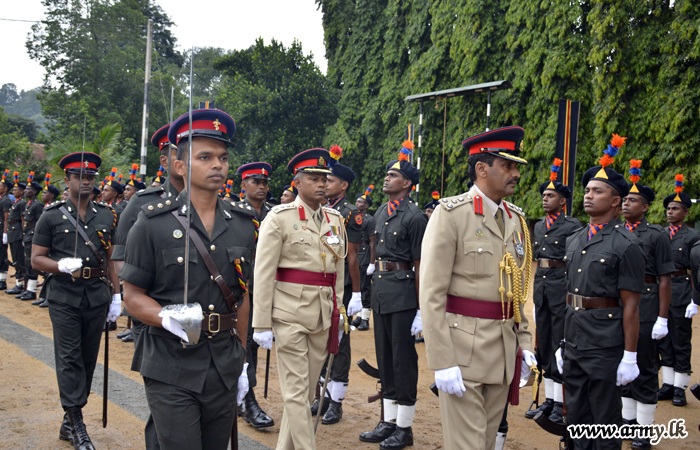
(649, 279)
(482, 309)
(364, 242)
(581, 302)
(387, 266)
(213, 322)
(680, 273)
(86, 272)
(12, 222)
(546, 263)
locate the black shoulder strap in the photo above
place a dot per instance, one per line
(82, 234)
(209, 262)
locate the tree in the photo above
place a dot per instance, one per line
(8, 94)
(281, 102)
(15, 149)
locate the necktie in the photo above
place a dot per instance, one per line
(317, 219)
(594, 228)
(391, 207)
(672, 230)
(551, 218)
(632, 225)
(499, 221)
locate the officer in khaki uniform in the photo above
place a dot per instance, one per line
(472, 332)
(299, 273)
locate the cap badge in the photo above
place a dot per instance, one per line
(321, 161)
(216, 124)
(263, 171)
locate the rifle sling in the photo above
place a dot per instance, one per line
(83, 235)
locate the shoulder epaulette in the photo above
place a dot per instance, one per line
(450, 203)
(620, 228)
(243, 207)
(332, 211)
(159, 206)
(55, 204)
(656, 227)
(287, 206)
(150, 190)
(105, 205)
(515, 208)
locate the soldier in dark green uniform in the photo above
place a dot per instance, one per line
(134, 184)
(111, 192)
(549, 293)
(429, 207)
(172, 186)
(336, 191)
(5, 206)
(79, 290)
(14, 234)
(192, 390)
(255, 179)
(399, 229)
(49, 195)
(289, 194)
(676, 348)
(605, 277)
(365, 257)
(32, 211)
(639, 398)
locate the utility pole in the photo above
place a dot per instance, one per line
(146, 92)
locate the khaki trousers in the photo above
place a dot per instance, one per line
(471, 422)
(300, 356)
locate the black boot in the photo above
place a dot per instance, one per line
(402, 437)
(334, 413)
(254, 415)
(314, 406)
(382, 431)
(44, 303)
(639, 443)
(356, 323)
(545, 407)
(3, 285)
(124, 334)
(364, 325)
(679, 397)
(112, 326)
(64, 433)
(695, 389)
(38, 302)
(79, 435)
(15, 290)
(665, 392)
(28, 295)
(557, 415)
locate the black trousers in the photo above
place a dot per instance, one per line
(4, 262)
(675, 349)
(76, 338)
(17, 252)
(340, 372)
(365, 288)
(592, 396)
(192, 421)
(550, 302)
(251, 350)
(645, 387)
(31, 273)
(396, 356)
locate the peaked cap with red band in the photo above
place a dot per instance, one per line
(160, 137)
(506, 143)
(259, 170)
(209, 123)
(72, 163)
(316, 160)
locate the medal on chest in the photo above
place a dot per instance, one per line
(518, 241)
(333, 236)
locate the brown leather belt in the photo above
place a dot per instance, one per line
(387, 266)
(581, 302)
(212, 323)
(547, 263)
(679, 273)
(649, 279)
(364, 242)
(86, 272)
(12, 222)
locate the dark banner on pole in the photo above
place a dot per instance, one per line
(567, 143)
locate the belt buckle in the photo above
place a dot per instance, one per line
(218, 325)
(86, 272)
(382, 266)
(577, 302)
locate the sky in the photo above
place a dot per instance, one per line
(228, 24)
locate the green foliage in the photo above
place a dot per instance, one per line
(16, 152)
(281, 102)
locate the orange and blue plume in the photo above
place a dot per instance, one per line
(47, 179)
(30, 178)
(134, 170)
(161, 170)
(15, 175)
(112, 174)
(369, 189)
(406, 150)
(554, 170)
(5, 174)
(611, 151)
(635, 170)
(119, 179)
(679, 183)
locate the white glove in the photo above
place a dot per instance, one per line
(4, 238)
(243, 385)
(534, 315)
(560, 361)
(450, 381)
(660, 329)
(69, 265)
(263, 339)
(355, 305)
(529, 360)
(370, 269)
(691, 310)
(115, 308)
(173, 326)
(627, 371)
(417, 326)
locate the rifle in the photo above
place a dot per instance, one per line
(374, 373)
(105, 391)
(325, 388)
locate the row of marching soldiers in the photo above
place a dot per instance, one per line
(295, 274)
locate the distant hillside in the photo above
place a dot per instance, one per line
(23, 103)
